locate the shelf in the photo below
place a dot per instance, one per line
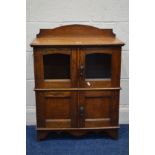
(76, 89)
(98, 128)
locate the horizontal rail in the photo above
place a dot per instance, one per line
(76, 129)
(75, 89)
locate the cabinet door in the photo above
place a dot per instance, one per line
(55, 68)
(98, 108)
(56, 109)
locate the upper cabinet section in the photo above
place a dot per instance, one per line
(76, 35)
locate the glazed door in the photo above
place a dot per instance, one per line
(96, 105)
(55, 67)
(55, 74)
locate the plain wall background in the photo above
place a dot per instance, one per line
(99, 13)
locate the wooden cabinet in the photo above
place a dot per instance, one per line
(77, 80)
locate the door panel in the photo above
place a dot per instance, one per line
(57, 112)
(55, 67)
(59, 109)
(97, 108)
(97, 64)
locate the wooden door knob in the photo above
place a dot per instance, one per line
(81, 111)
(82, 70)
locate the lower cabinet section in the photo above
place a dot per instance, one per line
(97, 109)
(76, 111)
(113, 131)
(57, 109)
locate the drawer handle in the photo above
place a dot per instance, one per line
(81, 111)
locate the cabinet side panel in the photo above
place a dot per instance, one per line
(116, 66)
(116, 71)
(115, 108)
(37, 66)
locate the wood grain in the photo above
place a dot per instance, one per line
(76, 35)
(76, 104)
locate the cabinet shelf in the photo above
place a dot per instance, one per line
(76, 89)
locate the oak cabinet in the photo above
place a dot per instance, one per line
(77, 80)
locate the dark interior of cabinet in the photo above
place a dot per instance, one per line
(56, 66)
(98, 66)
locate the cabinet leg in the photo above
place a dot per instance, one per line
(41, 135)
(113, 133)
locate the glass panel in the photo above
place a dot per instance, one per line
(56, 66)
(98, 66)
